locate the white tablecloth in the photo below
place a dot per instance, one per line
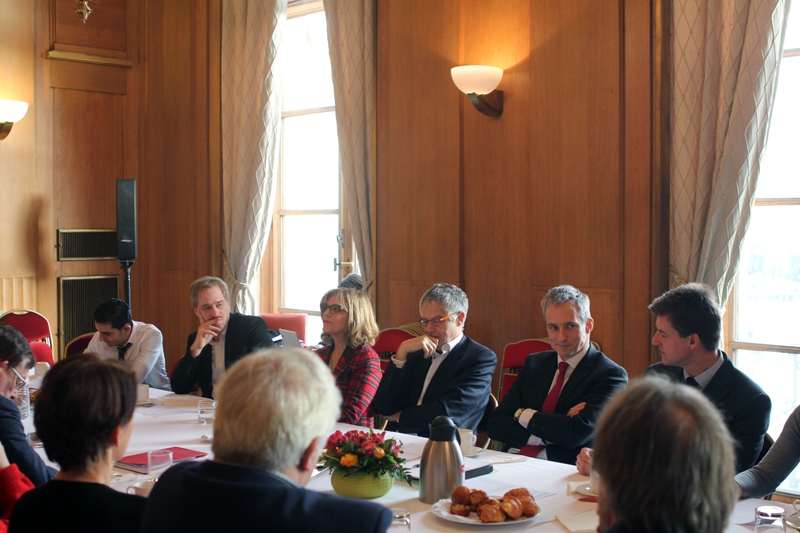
(176, 425)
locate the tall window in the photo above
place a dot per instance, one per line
(765, 320)
(306, 228)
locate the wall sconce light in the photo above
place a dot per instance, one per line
(11, 111)
(479, 83)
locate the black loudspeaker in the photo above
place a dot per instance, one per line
(126, 220)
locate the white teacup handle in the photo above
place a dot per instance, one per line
(796, 505)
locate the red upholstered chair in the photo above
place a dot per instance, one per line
(78, 345)
(296, 322)
(388, 342)
(514, 356)
(36, 330)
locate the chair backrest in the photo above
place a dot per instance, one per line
(78, 345)
(514, 356)
(387, 343)
(483, 432)
(42, 352)
(31, 324)
(296, 322)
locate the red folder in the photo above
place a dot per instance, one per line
(138, 462)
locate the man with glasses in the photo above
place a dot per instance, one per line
(440, 373)
(221, 339)
(552, 407)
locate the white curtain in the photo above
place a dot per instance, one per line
(725, 59)
(352, 43)
(251, 115)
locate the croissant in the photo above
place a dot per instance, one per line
(477, 497)
(512, 507)
(491, 513)
(529, 506)
(520, 492)
(460, 496)
(460, 510)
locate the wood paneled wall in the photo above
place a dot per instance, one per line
(90, 124)
(557, 190)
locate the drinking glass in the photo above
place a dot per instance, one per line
(770, 519)
(206, 410)
(158, 462)
(401, 520)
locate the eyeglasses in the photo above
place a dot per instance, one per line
(436, 322)
(19, 381)
(334, 309)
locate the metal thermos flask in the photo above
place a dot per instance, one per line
(441, 468)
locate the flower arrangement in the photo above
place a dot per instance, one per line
(367, 452)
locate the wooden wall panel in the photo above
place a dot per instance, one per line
(18, 186)
(418, 142)
(17, 293)
(555, 191)
(104, 30)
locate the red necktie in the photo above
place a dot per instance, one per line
(549, 406)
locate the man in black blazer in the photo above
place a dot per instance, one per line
(688, 331)
(262, 461)
(222, 338)
(440, 373)
(524, 421)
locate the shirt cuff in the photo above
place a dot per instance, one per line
(525, 417)
(533, 440)
(398, 364)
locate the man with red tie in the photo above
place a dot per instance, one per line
(553, 405)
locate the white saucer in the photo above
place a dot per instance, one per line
(586, 490)
(474, 452)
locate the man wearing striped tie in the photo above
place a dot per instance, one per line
(552, 407)
(688, 332)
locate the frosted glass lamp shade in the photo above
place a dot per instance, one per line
(476, 79)
(12, 110)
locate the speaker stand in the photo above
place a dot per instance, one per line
(125, 265)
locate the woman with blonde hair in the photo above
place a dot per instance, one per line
(348, 330)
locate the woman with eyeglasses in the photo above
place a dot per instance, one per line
(348, 330)
(16, 360)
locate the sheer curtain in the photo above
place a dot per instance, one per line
(725, 60)
(351, 39)
(251, 115)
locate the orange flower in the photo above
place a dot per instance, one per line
(379, 453)
(349, 459)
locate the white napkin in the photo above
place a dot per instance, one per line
(505, 458)
(580, 523)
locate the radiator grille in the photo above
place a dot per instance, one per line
(87, 244)
(78, 297)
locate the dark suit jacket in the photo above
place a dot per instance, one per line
(19, 452)
(209, 496)
(459, 389)
(593, 381)
(244, 335)
(745, 407)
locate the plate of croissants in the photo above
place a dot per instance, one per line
(471, 506)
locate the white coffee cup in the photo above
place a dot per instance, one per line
(41, 368)
(142, 488)
(594, 481)
(142, 393)
(468, 440)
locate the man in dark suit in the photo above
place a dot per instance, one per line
(688, 331)
(222, 338)
(262, 461)
(552, 407)
(440, 373)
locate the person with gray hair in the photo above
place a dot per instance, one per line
(442, 372)
(664, 459)
(276, 409)
(221, 339)
(551, 409)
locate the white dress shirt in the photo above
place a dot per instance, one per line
(145, 355)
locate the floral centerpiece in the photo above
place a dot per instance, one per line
(364, 464)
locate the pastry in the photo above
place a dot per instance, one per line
(512, 507)
(460, 496)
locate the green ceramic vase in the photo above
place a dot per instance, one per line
(361, 485)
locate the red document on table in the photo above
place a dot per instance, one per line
(138, 462)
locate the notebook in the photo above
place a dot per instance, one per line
(138, 462)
